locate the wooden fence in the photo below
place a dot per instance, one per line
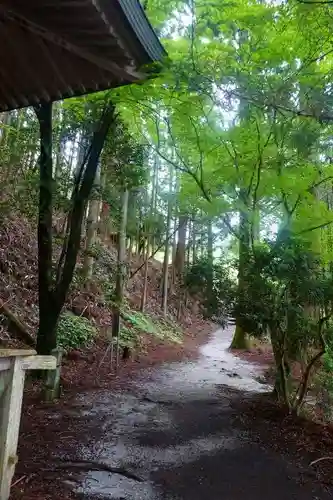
(13, 365)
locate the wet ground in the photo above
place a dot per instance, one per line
(178, 431)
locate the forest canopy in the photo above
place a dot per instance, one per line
(221, 165)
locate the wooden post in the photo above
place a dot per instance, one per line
(12, 403)
(52, 385)
(13, 364)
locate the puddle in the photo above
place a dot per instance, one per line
(116, 487)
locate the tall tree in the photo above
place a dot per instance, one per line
(53, 291)
(165, 272)
(121, 266)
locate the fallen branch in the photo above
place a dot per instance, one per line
(320, 460)
(16, 327)
(87, 465)
(18, 481)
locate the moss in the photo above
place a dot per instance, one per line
(240, 339)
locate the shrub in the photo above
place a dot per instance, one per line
(325, 382)
(289, 295)
(74, 331)
(128, 337)
(216, 287)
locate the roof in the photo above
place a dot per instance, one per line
(53, 49)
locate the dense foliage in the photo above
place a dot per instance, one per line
(74, 332)
(228, 152)
(288, 296)
(214, 287)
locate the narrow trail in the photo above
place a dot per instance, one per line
(177, 430)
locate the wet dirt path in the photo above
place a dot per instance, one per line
(177, 430)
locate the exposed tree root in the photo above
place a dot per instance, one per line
(86, 465)
(320, 460)
(159, 402)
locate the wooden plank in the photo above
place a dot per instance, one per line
(126, 73)
(39, 363)
(49, 57)
(11, 353)
(12, 373)
(14, 45)
(3, 385)
(4, 364)
(52, 385)
(9, 431)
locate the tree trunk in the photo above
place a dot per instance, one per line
(202, 238)
(130, 248)
(140, 236)
(14, 149)
(282, 377)
(210, 256)
(194, 241)
(240, 339)
(5, 120)
(173, 254)
(59, 119)
(149, 239)
(81, 194)
(179, 258)
(33, 147)
(165, 278)
(188, 246)
(132, 216)
(91, 228)
(121, 270)
(145, 279)
(103, 223)
(46, 335)
(255, 226)
(83, 146)
(154, 193)
(52, 295)
(72, 154)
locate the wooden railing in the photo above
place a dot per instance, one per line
(13, 365)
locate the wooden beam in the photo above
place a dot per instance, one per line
(3, 100)
(4, 365)
(49, 57)
(82, 88)
(39, 363)
(6, 89)
(104, 19)
(8, 86)
(13, 353)
(15, 42)
(39, 47)
(12, 374)
(70, 3)
(52, 385)
(126, 74)
(9, 432)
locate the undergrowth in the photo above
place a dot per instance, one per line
(161, 328)
(136, 323)
(74, 331)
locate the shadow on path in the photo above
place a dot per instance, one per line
(178, 430)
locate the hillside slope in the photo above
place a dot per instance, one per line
(19, 292)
